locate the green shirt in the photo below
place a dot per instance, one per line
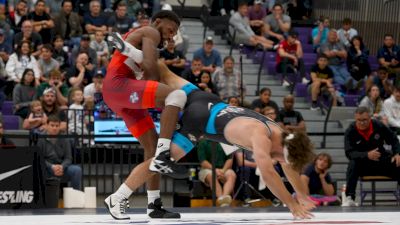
(40, 89)
(204, 149)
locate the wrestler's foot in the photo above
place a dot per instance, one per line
(164, 165)
(117, 208)
(115, 40)
(156, 210)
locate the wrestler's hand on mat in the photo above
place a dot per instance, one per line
(299, 211)
(305, 201)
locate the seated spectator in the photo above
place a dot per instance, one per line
(321, 81)
(59, 53)
(227, 80)
(133, 7)
(357, 59)
(382, 81)
(51, 107)
(269, 112)
(18, 15)
(5, 142)
(389, 57)
(67, 24)
(76, 113)
(53, 7)
(57, 154)
(95, 20)
(233, 101)
(27, 34)
(226, 177)
(37, 120)
(80, 75)
(101, 48)
(290, 58)
(365, 142)
(142, 20)
(56, 83)
(257, 12)
(47, 63)
(193, 74)
(5, 47)
(84, 46)
(20, 60)
(319, 184)
(24, 93)
(346, 33)
(391, 109)
(120, 21)
(96, 87)
(244, 33)
(374, 103)
(337, 55)
(42, 22)
(210, 57)
(173, 58)
(276, 24)
(289, 119)
(206, 83)
(264, 100)
(320, 33)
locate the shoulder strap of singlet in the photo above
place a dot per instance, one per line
(215, 109)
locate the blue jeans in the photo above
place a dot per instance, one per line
(72, 173)
(341, 75)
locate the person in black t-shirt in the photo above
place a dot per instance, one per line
(173, 58)
(264, 100)
(289, 119)
(321, 80)
(193, 75)
(120, 22)
(316, 176)
(42, 22)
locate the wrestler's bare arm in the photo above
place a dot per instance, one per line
(147, 38)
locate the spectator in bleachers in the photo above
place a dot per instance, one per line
(391, 109)
(210, 56)
(59, 53)
(42, 22)
(389, 57)
(120, 21)
(321, 81)
(233, 101)
(206, 83)
(290, 58)
(346, 33)
(244, 33)
(134, 6)
(57, 154)
(374, 103)
(82, 7)
(289, 119)
(24, 93)
(55, 82)
(52, 108)
(27, 34)
(142, 20)
(80, 74)
(227, 80)
(13, 5)
(96, 87)
(300, 9)
(173, 58)
(257, 12)
(264, 100)
(193, 74)
(320, 33)
(47, 63)
(37, 119)
(20, 60)
(5, 142)
(365, 142)
(226, 177)
(84, 46)
(76, 113)
(337, 54)
(101, 48)
(382, 81)
(67, 24)
(5, 47)
(17, 15)
(357, 59)
(53, 7)
(277, 24)
(269, 112)
(319, 183)
(95, 20)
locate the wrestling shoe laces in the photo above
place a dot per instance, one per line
(117, 209)
(164, 165)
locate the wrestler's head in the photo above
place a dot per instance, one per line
(167, 23)
(298, 149)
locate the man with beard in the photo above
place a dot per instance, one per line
(18, 16)
(51, 107)
(42, 22)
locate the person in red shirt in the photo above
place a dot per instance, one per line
(290, 58)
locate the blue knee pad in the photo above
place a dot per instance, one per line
(183, 142)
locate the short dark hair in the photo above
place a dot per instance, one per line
(382, 68)
(277, 5)
(242, 3)
(361, 110)
(53, 118)
(197, 58)
(48, 47)
(324, 155)
(346, 21)
(322, 55)
(264, 89)
(40, 1)
(166, 14)
(70, 1)
(300, 149)
(229, 57)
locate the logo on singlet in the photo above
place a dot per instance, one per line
(134, 97)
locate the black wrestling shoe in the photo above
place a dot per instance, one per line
(156, 211)
(115, 40)
(164, 165)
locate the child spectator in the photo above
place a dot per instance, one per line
(233, 101)
(37, 119)
(269, 112)
(206, 83)
(374, 103)
(75, 112)
(289, 119)
(59, 53)
(24, 93)
(101, 48)
(383, 82)
(46, 63)
(264, 100)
